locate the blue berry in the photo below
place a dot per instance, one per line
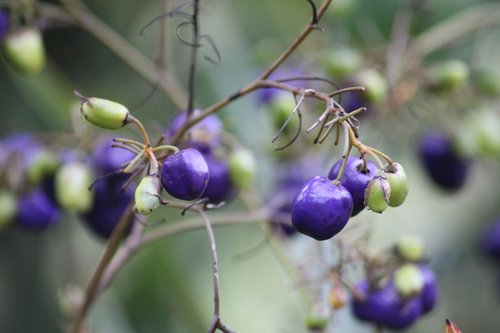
(36, 210)
(220, 187)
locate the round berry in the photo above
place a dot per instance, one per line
(409, 248)
(105, 113)
(72, 183)
(220, 187)
(37, 210)
(8, 208)
(321, 208)
(377, 194)
(408, 280)
(108, 159)
(439, 158)
(429, 294)
(203, 135)
(25, 51)
(242, 167)
(4, 24)
(396, 176)
(341, 62)
(491, 241)
(355, 179)
(185, 174)
(148, 194)
(448, 74)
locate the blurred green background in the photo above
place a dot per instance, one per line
(168, 286)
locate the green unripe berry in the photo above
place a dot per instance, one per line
(317, 319)
(242, 167)
(148, 194)
(8, 208)
(377, 194)
(448, 75)
(280, 108)
(25, 51)
(104, 113)
(487, 81)
(408, 280)
(396, 176)
(44, 163)
(376, 88)
(72, 183)
(485, 123)
(342, 62)
(409, 247)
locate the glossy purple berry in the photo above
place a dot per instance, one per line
(36, 210)
(441, 161)
(429, 294)
(201, 136)
(385, 307)
(491, 241)
(321, 208)
(109, 203)
(185, 174)
(4, 24)
(108, 159)
(220, 186)
(355, 179)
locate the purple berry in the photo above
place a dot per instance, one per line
(36, 210)
(385, 307)
(4, 24)
(355, 180)
(439, 158)
(429, 294)
(185, 174)
(109, 203)
(491, 241)
(220, 187)
(321, 208)
(202, 135)
(108, 159)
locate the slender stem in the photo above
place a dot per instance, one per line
(348, 89)
(93, 286)
(143, 131)
(193, 61)
(130, 55)
(347, 150)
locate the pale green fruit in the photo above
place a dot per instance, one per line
(408, 280)
(341, 62)
(281, 107)
(410, 247)
(148, 194)
(487, 81)
(396, 176)
(105, 113)
(8, 208)
(448, 75)
(25, 51)
(242, 167)
(377, 194)
(376, 88)
(44, 163)
(72, 183)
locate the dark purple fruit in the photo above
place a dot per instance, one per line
(220, 186)
(36, 210)
(385, 307)
(109, 203)
(4, 24)
(321, 208)
(429, 294)
(201, 136)
(491, 241)
(185, 174)
(441, 161)
(355, 179)
(108, 159)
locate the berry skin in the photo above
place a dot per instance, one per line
(409, 248)
(185, 174)
(25, 51)
(220, 187)
(377, 194)
(396, 176)
(109, 204)
(203, 135)
(36, 210)
(409, 280)
(341, 62)
(355, 180)
(148, 194)
(491, 241)
(445, 167)
(448, 75)
(429, 294)
(385, 307)
(108, 159)
(72, 183)
(4, 24)
(242, 167)
(321, 208)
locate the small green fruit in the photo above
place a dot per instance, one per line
(317, 320)
(377, 194)
(396, 176)
(148, 194)
(487, 81)
(242, 167)
(281, 107)
(104, 113)
(409, 247)
(341, 62)
(409, 280)
(376, 88)
(8, 208)
(72, 183)
(448, 75)
(25, 51)
(44, 163)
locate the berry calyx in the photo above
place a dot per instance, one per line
(185, 174)
(321, 208)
